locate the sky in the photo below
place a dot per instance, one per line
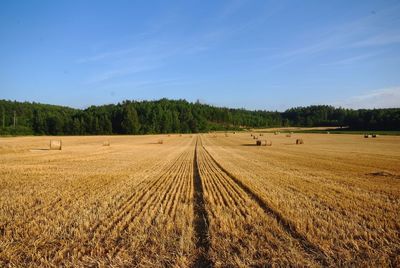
(269, 55)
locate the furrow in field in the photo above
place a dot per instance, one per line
(285, 223)
(135, 205)
(240, 219)
(78, 192)
(154, 213)
(201, 218)
(355, 222)
(148, 210)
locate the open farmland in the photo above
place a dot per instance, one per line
(200, 200)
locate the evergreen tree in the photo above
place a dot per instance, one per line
(130, 121)
(38, 123)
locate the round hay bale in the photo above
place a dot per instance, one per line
(55, 144)
(288, 135)
(106, 143)
(299, 141)
(160, 142)
(263, 143)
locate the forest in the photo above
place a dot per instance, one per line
(178, 116)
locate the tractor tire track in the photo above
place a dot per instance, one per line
(201, 221)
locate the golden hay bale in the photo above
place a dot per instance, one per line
(261, 134)
(328, 132)
(299, 141)
(55, 144)
(367, 136)
(226, 135)
(263, 143)
(374, 135)
(251, 134)
(288, 135)
(160, 142)
(276, 132)
(106, 143)
(255, 137)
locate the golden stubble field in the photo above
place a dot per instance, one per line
(200, 200)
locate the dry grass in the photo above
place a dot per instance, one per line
(332, 202)
(326, 191)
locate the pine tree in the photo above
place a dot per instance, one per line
(130, 121)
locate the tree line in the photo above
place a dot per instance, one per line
(177, 116)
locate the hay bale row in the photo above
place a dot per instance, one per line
(371, 135)
(55, 144)
(299, 141)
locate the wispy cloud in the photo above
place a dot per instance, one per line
(380, 39)
(106, 55)
(146, 83)
(158, 50)
(371, 31)
(380, 98)
(108, 75)
(353, 59)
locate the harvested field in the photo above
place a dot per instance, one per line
(197, 201)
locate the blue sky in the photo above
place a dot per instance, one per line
(254, 54)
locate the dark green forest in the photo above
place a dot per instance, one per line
(177, 116)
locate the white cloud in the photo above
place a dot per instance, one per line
(380, 98)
